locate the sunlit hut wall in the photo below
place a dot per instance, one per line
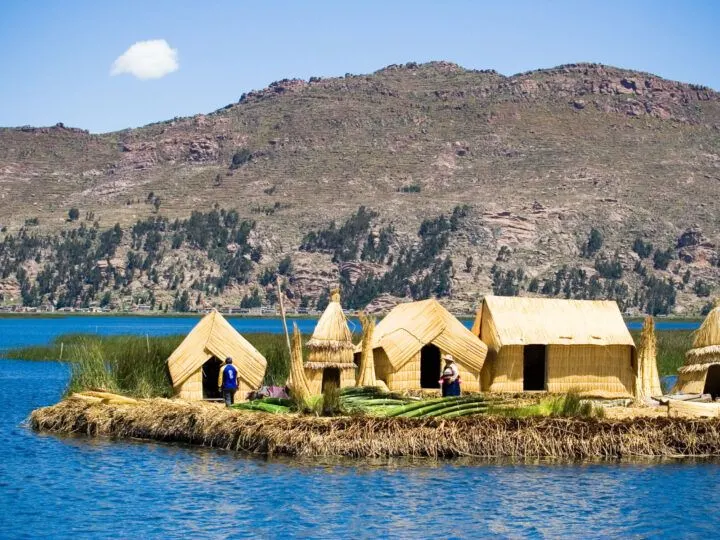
(194, 365)
(555, 345)
(409, 342)
(330, 350)
(701, 371)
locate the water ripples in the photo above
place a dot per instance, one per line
(63, 487)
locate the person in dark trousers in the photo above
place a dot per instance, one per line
(450, 377)
(228, 382)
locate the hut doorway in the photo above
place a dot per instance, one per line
(712, 381)
(430, 367)
(210, 377)
(331, 376)
(534, 367)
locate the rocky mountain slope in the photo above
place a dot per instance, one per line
(531, 165)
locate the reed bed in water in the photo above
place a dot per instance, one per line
(364, 437)
(136, 365)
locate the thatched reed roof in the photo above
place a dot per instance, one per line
(411, 326)
(214, 336)
(331, 331)
(552, 321)
(706, 346)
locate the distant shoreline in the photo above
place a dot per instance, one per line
(195, 315)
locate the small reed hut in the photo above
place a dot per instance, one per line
(195, 365)
(330, 350)
(409, 342)
(700, 374)
(555, 345)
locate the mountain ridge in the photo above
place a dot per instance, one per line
(541, 157)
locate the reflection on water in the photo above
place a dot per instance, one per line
(63, 487)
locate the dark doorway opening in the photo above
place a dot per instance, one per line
(534, 367)
(430, 367)
(210, 379)
(712, 381)
(331, 376)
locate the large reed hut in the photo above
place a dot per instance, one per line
(555, 345)
(195, 365)
(700, 374)
(409, 342)
(330, 350)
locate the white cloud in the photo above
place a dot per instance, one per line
(147, 60)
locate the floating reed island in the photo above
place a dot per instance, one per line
(546, 379)
(486, 436)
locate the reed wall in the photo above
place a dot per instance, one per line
(691, 382)
(191, 389)
(590, 367)
(408, 376)
(315, 376)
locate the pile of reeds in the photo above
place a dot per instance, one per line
(367, 436)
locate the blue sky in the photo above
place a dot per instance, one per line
(57, 56)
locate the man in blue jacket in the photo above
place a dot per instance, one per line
(228, 382)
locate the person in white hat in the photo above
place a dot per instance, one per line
(450, 381)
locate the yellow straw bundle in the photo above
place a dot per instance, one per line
(647, 381)
(366, 373)
(297, 381)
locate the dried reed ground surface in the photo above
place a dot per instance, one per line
(479, 436)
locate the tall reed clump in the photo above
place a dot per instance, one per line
(671, 348)
(133, 365)
(136, 365)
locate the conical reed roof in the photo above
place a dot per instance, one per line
(332, 330)
(706, 346)
(331, 343)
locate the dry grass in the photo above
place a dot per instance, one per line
(480, 436)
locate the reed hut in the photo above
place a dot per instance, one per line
(195, 365)
(700, 374)
(409, 342)
(555, 345)
(330, 350)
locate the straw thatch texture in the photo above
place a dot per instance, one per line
(647, 382)
(212, 337)
(399, 338)
(314, 379)
(297, 381)
(706, 346)
(366, 371)
(705, 353)
(588, 346)
(552, 321)
(331, 343)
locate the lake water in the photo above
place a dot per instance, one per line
(19, 331)
(67, 487)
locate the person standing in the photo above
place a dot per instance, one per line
(228, 382)
(450, 377)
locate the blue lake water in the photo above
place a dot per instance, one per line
(19, 331)
(67, 487)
